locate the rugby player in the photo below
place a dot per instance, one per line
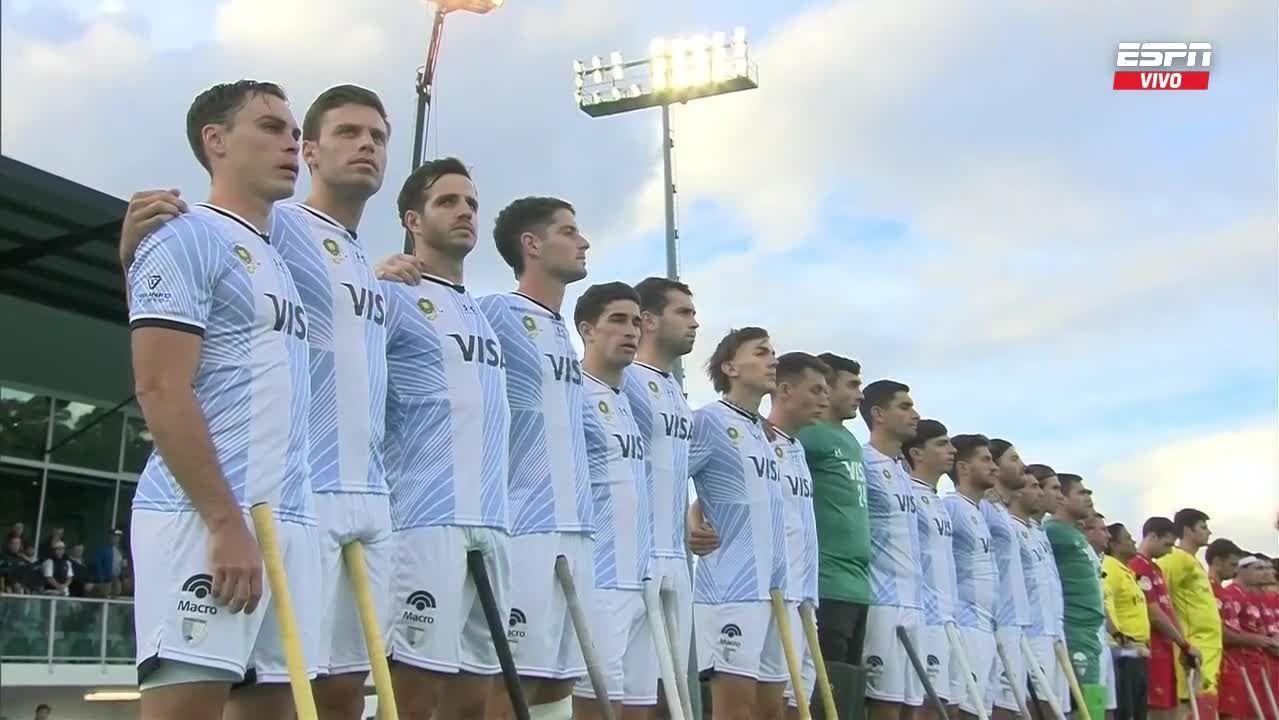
(929, 455)
(1083, 611)
(1131, 636)
(219, 341)
(736, 475)
(1167, 644)
(1013, 617)
(973, 473)
(1193, 599)
(801, 397)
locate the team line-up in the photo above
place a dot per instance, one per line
(440, 481)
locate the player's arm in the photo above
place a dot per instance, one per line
(1239, 638)
(167, 333)
(702, 538)
(401, 267)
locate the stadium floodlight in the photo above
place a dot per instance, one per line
(676, 70)
(426, 73)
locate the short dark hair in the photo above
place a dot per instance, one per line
(879, 394)
(521, 216)
(1187, 518)
(726, 349)
(1041, 472)
(1069, 481)
(1222, 548)
(965, 447)
(43, 706)
(654, 293)
(791, 366)
(590, 306)
(999, 446)
(1112, 532)
(417, 185)
(1159, 526)
(839, 363)
(334, 98)
(925, 431)
(218, 106)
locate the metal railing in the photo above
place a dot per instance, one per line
(55, 629)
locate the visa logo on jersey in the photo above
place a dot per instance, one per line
(800, 486)
(290, 318)
(565, 369)
(765, 467)
(943, 526)
(677, 427)
(477, 349)
(632, 446)
(367, 304)
(905, 502)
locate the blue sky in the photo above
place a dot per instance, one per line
(949, 192)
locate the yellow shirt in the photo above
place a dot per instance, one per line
(1192, 598)
(1125, 602)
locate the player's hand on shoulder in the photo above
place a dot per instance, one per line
(236, 565)
(401, 267)
(147, 211)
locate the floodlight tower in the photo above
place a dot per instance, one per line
(675, 71)
(426, 73)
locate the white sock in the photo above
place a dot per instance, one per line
(562, 710)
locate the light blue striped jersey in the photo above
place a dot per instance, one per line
(622, 496)
(735, 472)
(1013, 608)
(895, 576)
(346, 310)
(1041, 592)
(211, 273)
(665, 420)
(447, 422)
(936, 554)
(976, 574)
(551, 468)
(1054, 607)
(801, 524)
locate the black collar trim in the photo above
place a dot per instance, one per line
(232, 216)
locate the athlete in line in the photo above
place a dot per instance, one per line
(929, 455)
(1047, 624)
(1243, 631)
(1084, 616)
(607, 317)
(1025, 506)
(977, 577)
(551, 463)
(1193, 599)
(447, 452)
(344, 143)
(892, 687)
(1167, 644)
(736, 472)
(219, 340)
(801, 397)
(1013, 617)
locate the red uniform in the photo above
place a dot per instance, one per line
(1240, 615)
(1268, 604)
(1161, 687)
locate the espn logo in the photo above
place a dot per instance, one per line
(1168, 62)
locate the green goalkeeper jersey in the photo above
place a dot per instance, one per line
(839, 506)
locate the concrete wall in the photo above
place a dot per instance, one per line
(79, 357)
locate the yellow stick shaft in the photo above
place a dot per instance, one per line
(353, 557)
(1063, 659)
(809, 619)
(788, 649)
(290, 636)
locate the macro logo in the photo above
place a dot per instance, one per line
(418, 615)
(1166, 66)
(246, 257)
(729, 639)
(333, 249)
(194, 626)
(653, 388)
(516, 624)
(874, 666)
(530, 326)
(428, 309)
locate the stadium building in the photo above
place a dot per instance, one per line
(72, 442)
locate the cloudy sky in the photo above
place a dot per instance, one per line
(949, 192)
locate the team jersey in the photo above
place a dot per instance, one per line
(1151, 581)
(346, 331)
(1233, 605)
(1270, 611)
(1126, 602)
(735, 472)
(553, 452)
(448, 426)
(1048, 585)
(623, 500)
(211, 273)
(895, 576)
(936, 554)
(839, 506)
(801, 526)
(1013, 608)
(1082, 604)
(665, 420)
(975, 570)
(1192, 597)
(1033, 560)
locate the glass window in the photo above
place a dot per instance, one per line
(19, 498)
(137, 444)
(81, 506)
(24, 423)
(92, 436)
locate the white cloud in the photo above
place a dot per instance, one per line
(325, 36)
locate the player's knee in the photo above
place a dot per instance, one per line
(192, 701)
(339, 697)
(267, 701)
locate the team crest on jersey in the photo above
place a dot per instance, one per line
(887, 475)
(734, 435)
(603, 406)
(246, 257)
(428, 309)
(530, 326)
(653, 388)
(334, 250)
(778, 452)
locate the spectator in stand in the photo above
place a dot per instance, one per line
(56, 535)
(13, 566)
(43, 712)
(82, 581)
(57, 570)
(110, 563)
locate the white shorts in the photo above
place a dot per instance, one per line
(543, 641)
(979, 652)
(677, 570)
(1108, 675)
(624, 646)
(346, 518)
(1046, 656)
(807, 668)
(439, 623)
(740, 639)
(1010, 638)
(889, 675)
(934, 652)
(176, 619)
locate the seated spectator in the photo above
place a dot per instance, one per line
(82, 581)
(110, 564)
(57, 570)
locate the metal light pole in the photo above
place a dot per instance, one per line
(677, 71)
